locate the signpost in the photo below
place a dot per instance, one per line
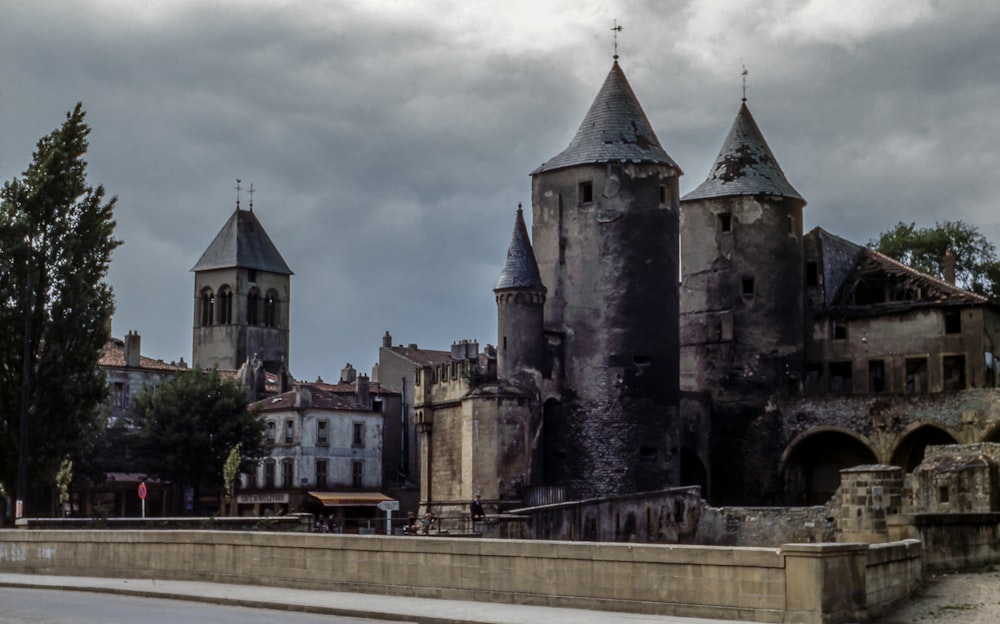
(388, 507)
(142, 496)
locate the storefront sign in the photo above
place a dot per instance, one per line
(254, 499)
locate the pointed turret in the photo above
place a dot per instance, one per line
(520, 297)
(745, 165)
(520, 269)
(614, 130)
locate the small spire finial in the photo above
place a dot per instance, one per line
(251, 197)
(237, 187)
(744, 74)
(617, 28)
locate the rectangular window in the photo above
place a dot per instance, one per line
(321, 434)
(791, 224)
(812, 274)
(916, 375)
(269, 474)
(876, 376)
(357, 473)
(724, 222)
(841, 377)
(663, 194)
(586, 192)
(953, 322)
(747, 287)
(953, 372)
(358, 439)
(943, 494)
(289, 432)
(252, 479)
(814, 381)
(838, 329)
(118, 399)
(252, 276)
(270, 432)
(287, 473)
(320, 473)
(376, 405)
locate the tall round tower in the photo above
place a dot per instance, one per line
(742, 273)
(605, 231)
(520, 299)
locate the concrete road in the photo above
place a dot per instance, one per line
(53, 606)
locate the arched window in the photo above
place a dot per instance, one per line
(271, 309)
(253, 307)
(225, 306)
(207, 306)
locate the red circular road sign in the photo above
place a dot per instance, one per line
(142, 491)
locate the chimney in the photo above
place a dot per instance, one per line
(387, 340)
(348, 374)
(132, 342)
(949, 267)
(303, 397)
(362, 394)
(375, 373)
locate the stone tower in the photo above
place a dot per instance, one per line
(741, 313)
(742, 273)
(605, 231)
(241, 298)
(520, 299)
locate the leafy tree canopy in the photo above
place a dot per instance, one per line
(976, 265)
(190, 425)
(57, 229)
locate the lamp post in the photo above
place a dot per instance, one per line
(20, 508)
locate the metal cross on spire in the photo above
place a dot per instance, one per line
(617, 28)
(744, 83)
(251, 197)
(237, 187)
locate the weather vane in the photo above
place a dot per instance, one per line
(238, 193)
(251, 197)
(617, 28)
(744, 83)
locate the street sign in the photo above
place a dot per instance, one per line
(390, 505)
(142, 491)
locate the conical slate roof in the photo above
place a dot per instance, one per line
(614, 130)
(745, 165)
(242, 242)
(520, 270)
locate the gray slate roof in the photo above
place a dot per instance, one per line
(614, 130)
(520, 269)
(242, 242)
(745, 165)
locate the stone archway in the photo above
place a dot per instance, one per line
(812, 463)
(910, 447)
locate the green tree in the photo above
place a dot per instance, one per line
(976, 265)
(56, 236)
(190, 424)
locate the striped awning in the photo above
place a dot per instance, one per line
(349, 499)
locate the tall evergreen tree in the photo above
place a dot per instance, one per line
(56, 236)
(189, 426)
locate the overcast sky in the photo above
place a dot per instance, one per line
(389, 143)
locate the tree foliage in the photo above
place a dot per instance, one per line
(976, 265)
(189, 426)
(55, 226)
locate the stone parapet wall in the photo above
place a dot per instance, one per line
(954, 541)
(808, 583)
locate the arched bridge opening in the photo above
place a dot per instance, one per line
(813, 464)
(910, 449)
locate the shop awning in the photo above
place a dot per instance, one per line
(349, 499)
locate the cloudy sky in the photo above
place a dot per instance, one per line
(389, 142)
